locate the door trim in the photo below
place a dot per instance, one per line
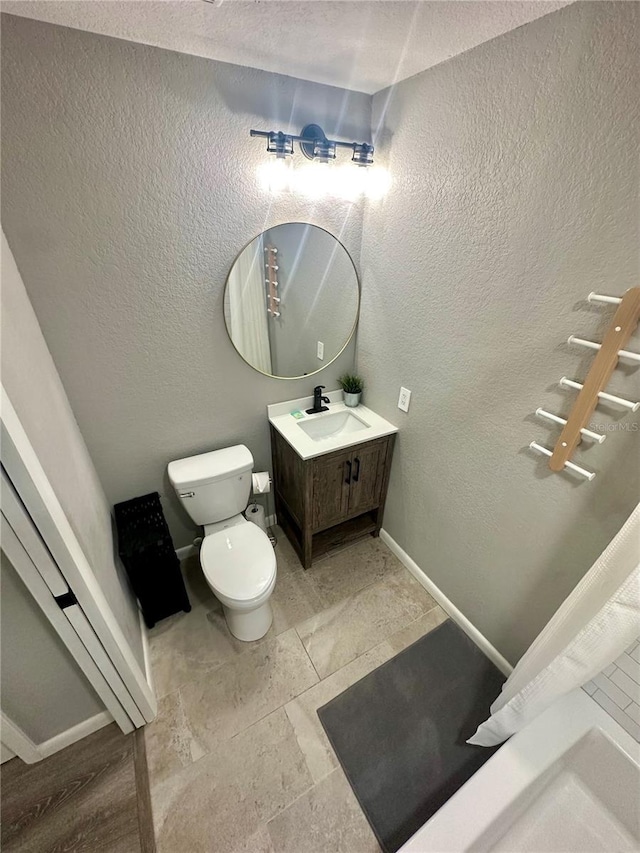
(35, 491)
(30, 752)
(34, 582)
(74, 734)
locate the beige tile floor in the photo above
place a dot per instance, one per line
(237, 756)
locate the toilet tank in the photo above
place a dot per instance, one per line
(213, 486)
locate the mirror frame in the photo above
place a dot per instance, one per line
(355, 322)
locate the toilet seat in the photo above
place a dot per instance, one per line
(239, 562)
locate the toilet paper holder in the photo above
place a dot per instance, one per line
(261, 483)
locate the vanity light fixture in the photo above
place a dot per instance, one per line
(324, 150)
(362, 154)
(317, 179)
(280, 144)
(314, 145)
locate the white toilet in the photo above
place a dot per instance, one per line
(237, 557)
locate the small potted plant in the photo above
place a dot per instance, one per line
(352, 386)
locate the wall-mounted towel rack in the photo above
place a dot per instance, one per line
(587, 433)
(611, 398)
(622, 326)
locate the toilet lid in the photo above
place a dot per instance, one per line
(238, 561)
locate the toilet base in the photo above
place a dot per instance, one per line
(249, 625)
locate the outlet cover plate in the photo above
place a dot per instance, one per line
(404, 399)
(320, 351)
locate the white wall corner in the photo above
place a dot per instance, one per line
(458, 617)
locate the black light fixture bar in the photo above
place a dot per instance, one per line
(314, 145)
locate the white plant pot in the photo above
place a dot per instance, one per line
(352, 400)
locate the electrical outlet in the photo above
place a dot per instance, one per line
(320, 351)
(404, 399)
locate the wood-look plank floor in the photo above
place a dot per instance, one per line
(87, 797)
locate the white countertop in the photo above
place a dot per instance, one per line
(306, 447)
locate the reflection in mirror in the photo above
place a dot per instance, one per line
(291, 300)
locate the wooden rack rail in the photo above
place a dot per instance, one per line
(622, 326)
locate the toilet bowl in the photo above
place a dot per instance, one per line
(236, 556)
(239, 564)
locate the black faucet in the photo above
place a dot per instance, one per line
(318, 400)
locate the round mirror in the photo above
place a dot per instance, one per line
(291, 301)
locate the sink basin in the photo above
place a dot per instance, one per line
(337, 429)
(332, 425)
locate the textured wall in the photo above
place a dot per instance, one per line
(129, 186)
(515, 194)
(33, 384)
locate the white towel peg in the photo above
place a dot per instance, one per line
(598, 297)
(623, 353)
(595, 436)
(571, 465)
(628, 404)
(272, 267)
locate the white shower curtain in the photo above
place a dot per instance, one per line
(248, 307)
(593, 626)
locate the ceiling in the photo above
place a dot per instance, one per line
(364, 45)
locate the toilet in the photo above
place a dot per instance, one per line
(236, 556)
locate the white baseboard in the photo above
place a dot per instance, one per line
(146, 655)
(74, 734)
(187, 551)
(17, 741)
(6, 754)
(190, 550)
(458, 617)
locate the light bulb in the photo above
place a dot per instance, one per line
(275, 176)
(351, 182)
(313, 180)
(378, 182)
(355, 181)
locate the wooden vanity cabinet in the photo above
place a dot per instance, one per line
(324, 502)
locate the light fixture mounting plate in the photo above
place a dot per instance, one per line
(313, 133)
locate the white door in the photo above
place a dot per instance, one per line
(52, 691)
(34, 649)
(47, 556)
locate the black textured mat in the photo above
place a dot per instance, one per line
(400, 732)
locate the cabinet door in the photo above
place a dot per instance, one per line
(367, 472)
(331, 475)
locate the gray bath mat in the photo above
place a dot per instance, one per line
(400, 732)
